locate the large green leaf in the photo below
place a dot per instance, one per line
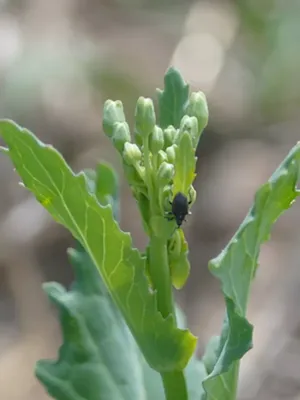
(236, 266)
(68, 199)
(88, 314)
(173, 99)
(98, 350)
(194, 373)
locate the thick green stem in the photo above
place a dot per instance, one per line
(235, 373)
(160, 275)
(159, 271)
(174, 385)
(158, 256)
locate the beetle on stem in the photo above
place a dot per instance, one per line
(180, 209)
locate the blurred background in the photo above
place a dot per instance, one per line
(59, 61)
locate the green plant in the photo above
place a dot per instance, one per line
(123, 336)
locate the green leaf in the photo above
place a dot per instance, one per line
(106, 187)
(211, 353)
(90, 178)
(122, 268)
(106, 182)
(97, 346)
(173, 99)
(235, 341)
(194, 373)
(236, 266)
(98, 349)
(178, 259)
(185, 164)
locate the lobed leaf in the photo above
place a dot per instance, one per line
(98, 349)
(236, 266)
(99, 359)
(67, 198)
(173, 99)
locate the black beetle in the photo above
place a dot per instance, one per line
(180, 209)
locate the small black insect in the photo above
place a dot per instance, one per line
(180, 209)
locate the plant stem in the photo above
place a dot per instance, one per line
(174, 385)
(159, 271)
(158, 254)
(235, 373)
(148, 173)
(160, 275)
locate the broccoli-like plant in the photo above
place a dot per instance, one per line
(123, 336)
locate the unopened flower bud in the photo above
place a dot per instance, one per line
(144, 117)
(120, 135)
(165, 173)
(112, 113)
(171, 153)
(197, 107)
(162, 156)
(190, 125)
(131, 153)
(170, 134)
(192, 194)
(156, 140)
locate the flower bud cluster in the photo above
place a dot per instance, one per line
(153, 159)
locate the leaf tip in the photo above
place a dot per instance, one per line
(53, 289)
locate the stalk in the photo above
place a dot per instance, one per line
(174, 385)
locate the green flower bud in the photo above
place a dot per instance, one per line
(156, 140)
(190, 125)
(197, 107)
(165, 173)
(171, 153)
(162, 156)
(192, 195)
(112, 113)
(170, 134)
(131, 153)
(144, 117)
(120, 135)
